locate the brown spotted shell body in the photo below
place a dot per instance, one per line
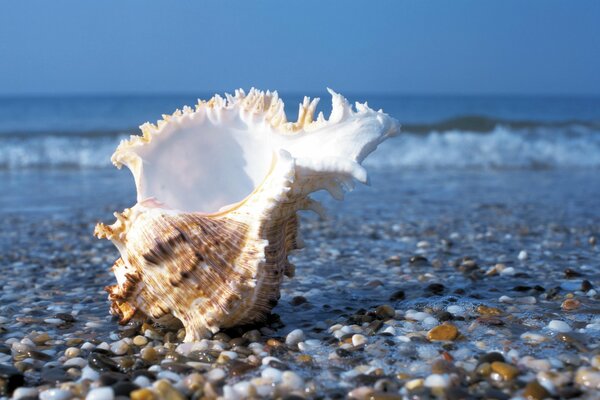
(219, 269)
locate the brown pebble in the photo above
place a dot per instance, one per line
(488, 311)
(167, 391)
(142, 394)
(385, 312)
(273, 342)
(570, 304)
(442, 367)
(506, 371)
(304, 358)
(149, 354)
(535, 391)
(443, 332)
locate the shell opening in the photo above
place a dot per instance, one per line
(195, 166)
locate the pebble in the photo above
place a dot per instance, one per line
(559, 326)
(522, 255)
(292, 380)
(535, 391)
(148, 354)
(443, 332)
(24, 392)
(143, 394)
(588, 377)
(437, 381)
(294, 337)
(358, 339)
(140, 340)
(215, 375)
(385, 312)
(272, 374)
(120, 347)
(56, 394)
(166, 391)
(101, 393)
(506, 371)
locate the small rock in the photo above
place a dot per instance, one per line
(101, 393)
(55, 394)
(166, 391)
(291, 380)
(358, 339)
(215, 375)
(294, 337)
(443, 332)
(148, 354)
(559, 326)
(10, 379)
(25, 392)
(506, 371)
(385, 312)
(143, 394)
(488, 311)
(140, 340)
(522, 255)
(437, 381)
(588, 378)
(535, 391)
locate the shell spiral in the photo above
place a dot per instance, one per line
(218, 191)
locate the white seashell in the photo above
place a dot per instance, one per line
(218, 189)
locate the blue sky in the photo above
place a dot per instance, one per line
(412, 47)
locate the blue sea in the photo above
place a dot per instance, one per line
(482, 132)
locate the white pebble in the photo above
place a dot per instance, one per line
(294, 337)
(23, 392)
(142, 381)
(76, 362)
(429, 322)
(72, 352)
(54, 321)
(522, 255)
(456, 310)
(437, 381)
(358, 339)
(232, 355)
(119, 348)
(170, 375)
(292, 380)
(215, 375)
(391, 330)
(272, 374)
(242, 389)
(533, 337)
(88, 346)
(55, 394)
(101, 393)
(510, 271)
(559, 326)
(89, 374)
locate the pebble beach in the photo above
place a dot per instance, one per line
(427, 285)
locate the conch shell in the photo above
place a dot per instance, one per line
(218, 189)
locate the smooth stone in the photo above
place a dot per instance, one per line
(140, 340)
(215, 375)
(124, 388)
(102, 363)
(294, 337)
(143, 394)
(111, 377)
(535, 391)
(491, 357)
(101, 393)
(56, 394)
(437, 381)
(358, 339)
(292, 380)
(25, 392)
(76, 362)
(237, 368)
(385, 312)
(559, 326)
(588, 377)
(443, 332)
(149, 354)
(274, 375)
(12, 379)
(166, 391)
(54, 375)
(506, 371)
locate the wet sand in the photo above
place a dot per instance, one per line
(448, 284)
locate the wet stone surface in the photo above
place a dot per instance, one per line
(427, 285)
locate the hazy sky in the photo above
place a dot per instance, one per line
(147, 46)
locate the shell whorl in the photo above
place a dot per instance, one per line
(225, 268)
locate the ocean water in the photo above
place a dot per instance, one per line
(438, 131)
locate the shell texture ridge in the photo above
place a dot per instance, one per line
(218, 190)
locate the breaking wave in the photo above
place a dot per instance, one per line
(465, 142)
